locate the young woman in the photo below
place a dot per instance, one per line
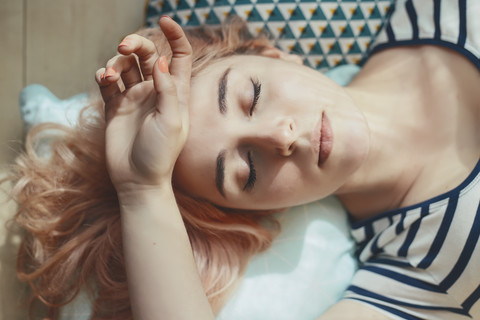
(254, 131)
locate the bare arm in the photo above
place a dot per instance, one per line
(162, 277)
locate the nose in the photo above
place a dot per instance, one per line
(279, 135)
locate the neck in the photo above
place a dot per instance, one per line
(397, 100)
(388, 171)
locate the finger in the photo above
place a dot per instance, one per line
(144, 49)
(124, 68)
(107, 89)
(181, 63)
(167, 98)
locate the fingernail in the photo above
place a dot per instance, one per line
(124, 43)
(110, 72)
(165, 16)
(162, 64)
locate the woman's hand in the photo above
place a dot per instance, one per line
(146, 121)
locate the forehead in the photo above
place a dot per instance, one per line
(196, 165)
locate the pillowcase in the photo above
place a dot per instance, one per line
(324, 33)
(307, 269)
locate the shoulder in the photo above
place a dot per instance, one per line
(352, 310)
(447, 23)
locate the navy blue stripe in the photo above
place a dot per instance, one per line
(441, 234)
(391, 262)
(379, 297)
(462, 36)
(412, 232)
(400, 226)
(369, 232)
(374, 249)
(436, 19)
(472, 299)
(391, 310)
(390, 33)
(466, 254)
(413, 282)
(359, 250)
(412, 15)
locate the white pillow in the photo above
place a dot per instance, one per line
(305, 271)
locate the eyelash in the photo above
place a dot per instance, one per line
(257, 87)
(252, 177)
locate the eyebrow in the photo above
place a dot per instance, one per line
(220, 172)
(222, 92)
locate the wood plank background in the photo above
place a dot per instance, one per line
(59, 44)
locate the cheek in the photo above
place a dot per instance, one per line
(287, 182)
(288, 90)
(297, 94)
(290, 185)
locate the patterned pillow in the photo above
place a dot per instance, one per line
(325, 33)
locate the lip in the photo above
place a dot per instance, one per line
(322, 139)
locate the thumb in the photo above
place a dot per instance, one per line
(165, 88)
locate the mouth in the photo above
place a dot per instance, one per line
(322, 140)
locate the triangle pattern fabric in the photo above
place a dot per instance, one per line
(325, 33)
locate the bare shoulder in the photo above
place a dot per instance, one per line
(354, 310)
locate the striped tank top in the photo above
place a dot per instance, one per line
(423, 261)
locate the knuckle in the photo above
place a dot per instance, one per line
(170, 88)
(129, 62)
(167, 88)
(188, 47)
(113, 60)
(146, 48)
(135, 37)
(149, 43)
(131, 37)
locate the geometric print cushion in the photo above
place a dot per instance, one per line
(325, 33)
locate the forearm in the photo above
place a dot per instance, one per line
(162, 276)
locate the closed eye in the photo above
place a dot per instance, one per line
(252, 176)
(257, 87)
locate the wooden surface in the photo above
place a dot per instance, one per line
(12, 73)
(59, 44)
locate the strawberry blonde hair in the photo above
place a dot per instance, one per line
(69, 209)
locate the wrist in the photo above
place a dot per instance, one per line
(134, 195)
(146, 207)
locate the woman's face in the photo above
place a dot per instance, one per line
(266, 133)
